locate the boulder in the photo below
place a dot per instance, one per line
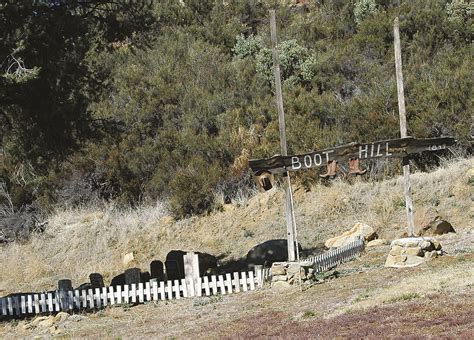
(357, 231)
(269, 252)
(437, 227)
(410, 252)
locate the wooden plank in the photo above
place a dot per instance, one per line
(177, 288)
(169, 290)
(98, 298)
(140, 293)
(236, 282)
(90, 298)
(390, 148)
(29, 301)
(3, 307)
(36, 302)
(133, 293)
(70, 301)
(161, 290)
(23, 304)
(126, 294)
(104, 296)
(207, 289)
(155, 290)
(243, 281)
(198, 287)
(84, 298)
(191, 288)
(184, 288)
(228, 279)
(147, 291)
(221, 284)
(43, 302)
(213, 285)
(10, 305)
(16, 305)
(251, 280)
(77, 300)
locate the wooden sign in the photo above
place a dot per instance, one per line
(393, 148)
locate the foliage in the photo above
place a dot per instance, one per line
(363, 9)
(135, 101)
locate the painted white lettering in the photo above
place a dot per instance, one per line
(307, 161)
(295, 163)
(327, 154)
(378, 151)
(318, 159)
(372, 151)
(386, 150)
(363, 149)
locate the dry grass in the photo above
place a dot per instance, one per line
(80, 241)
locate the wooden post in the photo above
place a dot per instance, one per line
(290, 225)
(403, 127)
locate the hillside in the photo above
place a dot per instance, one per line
(78, 242)
(362, 299)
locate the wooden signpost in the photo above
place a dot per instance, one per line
(403, 127)
(391, 148)
(352, 153)
(290, 215)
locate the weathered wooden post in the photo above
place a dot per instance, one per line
(290, 221)
(64, 287)
(403, 127)
(191, 270)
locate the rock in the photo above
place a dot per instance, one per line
(396, 250)
(128, 259)
(409, 252)
(437, 227)
(61, 317)
(269, 252)
(413, 260)
(431, 254)
(278, 268)
(358, 230)
(395, 261)
(377, 243)
(279, 278)
(414, 251)
(427, 246)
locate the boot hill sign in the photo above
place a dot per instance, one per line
(392, 148)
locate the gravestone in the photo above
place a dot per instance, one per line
(157, 270)
(132, 276)
(96, 279)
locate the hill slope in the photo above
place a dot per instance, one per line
(79, 242)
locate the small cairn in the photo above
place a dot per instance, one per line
(412, 251)
(285, 274)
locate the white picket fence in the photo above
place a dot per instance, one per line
(88, 299)
(336, 256)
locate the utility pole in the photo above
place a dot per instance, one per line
(403, 127)
(290, 216)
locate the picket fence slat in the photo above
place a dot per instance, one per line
(221, 284)
(147, 291)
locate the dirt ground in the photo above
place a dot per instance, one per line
(360, 299)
